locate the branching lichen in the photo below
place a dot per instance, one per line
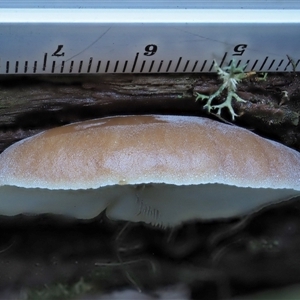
(230, 75)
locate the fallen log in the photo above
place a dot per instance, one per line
(30, 104)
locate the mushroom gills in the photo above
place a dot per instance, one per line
(157, 204)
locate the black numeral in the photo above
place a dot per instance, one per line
(59, 48)
(150, 50)
(239, 49)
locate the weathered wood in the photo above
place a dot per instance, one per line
(31, 104)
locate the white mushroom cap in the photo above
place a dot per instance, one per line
(144, 157)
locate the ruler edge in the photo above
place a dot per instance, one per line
(181, 17)
(149, 16)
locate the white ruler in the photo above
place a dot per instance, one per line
(80, 37)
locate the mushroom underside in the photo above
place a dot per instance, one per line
(157, 204)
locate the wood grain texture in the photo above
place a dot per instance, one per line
(32, 104)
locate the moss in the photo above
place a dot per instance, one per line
(59, 291)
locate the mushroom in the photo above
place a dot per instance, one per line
(162, 170)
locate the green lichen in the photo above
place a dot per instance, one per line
(230, 76)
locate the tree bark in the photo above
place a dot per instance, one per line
(32, 104)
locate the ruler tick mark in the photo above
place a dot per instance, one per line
(203, 65)
(178, 63)
(212, 65)
(26, 66)
(256, 61)
(279, 65)
(71, 66)
(246, 64)
(90, 65)
(264, 62)
(169, 65)
(53, 67)
(195, 65)
(134, 63)
(62, 66)
(107, 66)
(45, 61)
(290, 62)
(17, 67)
(271, 64)
(116, 66)
(34, 66)
(98, 66)
(151, 66)
(80, 66)
(142, 67)
(160, 65)
(186, 65)
(125, 66)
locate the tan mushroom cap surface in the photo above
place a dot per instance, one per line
(162, 170)
(148, 149)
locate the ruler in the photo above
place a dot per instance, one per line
(91, 37)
